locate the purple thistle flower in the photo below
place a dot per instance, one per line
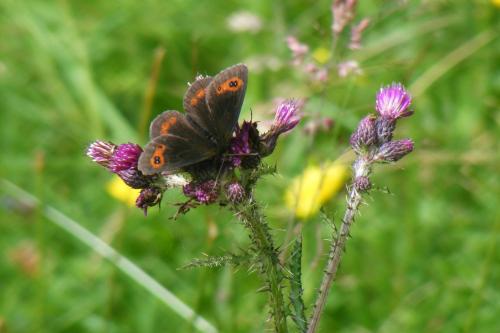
(235, 192)
(205, 193)
(393, 151)
(240, 144)
(286, 117)
(365, 135)
(148, 197)
(393, 102)
(125, 157)
(101, 152)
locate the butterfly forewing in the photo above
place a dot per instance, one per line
(197, 109)
(224, 97)
(164, 123)
(175, 144)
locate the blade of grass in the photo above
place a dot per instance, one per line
(451, 60)
(405, 34)
(122, 263)
(151, 90)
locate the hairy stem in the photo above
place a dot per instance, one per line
(268, 261)
(361, 168)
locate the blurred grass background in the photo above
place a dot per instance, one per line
(423, 258)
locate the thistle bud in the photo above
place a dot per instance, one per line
(235, 192)
(205, 192)
(148, 197)
(362, 184)
(135, 179)
(365, 135)
(385, 128)
(393, 151)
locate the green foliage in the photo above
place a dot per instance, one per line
(296, 291)
(421, 259)
(229, 259)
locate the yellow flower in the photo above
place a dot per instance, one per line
(121, 191)
(496, 3)
(322, 55)
(315, 187)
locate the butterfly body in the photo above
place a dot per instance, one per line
(212, 105)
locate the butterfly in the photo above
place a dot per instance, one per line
(212, 106)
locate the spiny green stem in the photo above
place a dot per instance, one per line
(296, 291)
(338, 245)
(267, 254)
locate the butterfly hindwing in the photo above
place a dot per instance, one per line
(224, 97)
(175, 144)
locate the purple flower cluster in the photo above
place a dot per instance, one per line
(372, 140)
(122, 160)
(373, 136)
(209, 178)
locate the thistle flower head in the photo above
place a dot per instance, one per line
(240, 144)
(393, 151)
(148, 197)
(286, 117)
(393, 101)
(101, 152)
(125, 157)
(235, 192)
(205, 192)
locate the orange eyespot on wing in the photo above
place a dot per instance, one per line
(198, 96)
(230, 85)
(165, 126)
(157, 159)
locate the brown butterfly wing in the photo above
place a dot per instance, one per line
(163, 122)
(175, 144)
(197, 109)
(224, 96)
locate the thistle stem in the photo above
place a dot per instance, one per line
(269, 261)
(361, 168)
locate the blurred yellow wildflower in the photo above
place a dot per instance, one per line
(121, 191)
(496, 3)
(309, 191)
(322, 55)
